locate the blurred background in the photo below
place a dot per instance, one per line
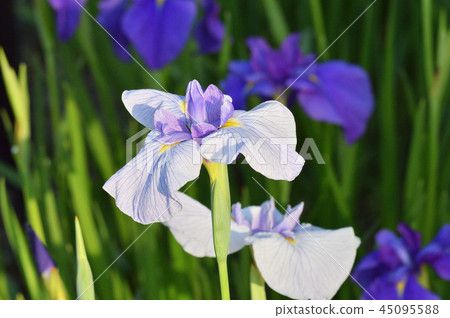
(63, 133)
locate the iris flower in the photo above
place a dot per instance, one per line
(203, 125)
(298, 261)
(67, 16)
(335, 92)
(210, 31)
(395, 269)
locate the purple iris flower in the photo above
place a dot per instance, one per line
(159, 30)
(335, 92)
(394, 270)
(44, 261)
(299, 261)
(110, 17)
(203, 125)
(210, 31)
(67, 16)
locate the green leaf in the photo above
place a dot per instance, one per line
(19, 245)
(85, 281)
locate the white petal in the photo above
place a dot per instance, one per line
(265, 135)
(144, 187)
(143, 103)
(192, 228)
(313, 267)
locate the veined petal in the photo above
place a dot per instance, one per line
(313, 267)
(144, 187)
(195, 103)
(143, 103)
(266, 136)
(192, 228)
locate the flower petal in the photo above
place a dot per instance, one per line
(110, 17)
(437, 253)
(143, 103)
(414, 291)
(338, 93)
(265, 135)
(68, 16)
(192, 228)
(144, 187)
(210, 31)
(313, 267)
(159, 32)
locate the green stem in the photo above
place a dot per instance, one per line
(223, 276)
(221, 217)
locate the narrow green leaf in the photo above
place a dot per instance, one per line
(19, 245)
(277, 21)
(85, 281)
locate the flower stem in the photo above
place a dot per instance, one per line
(221, 216)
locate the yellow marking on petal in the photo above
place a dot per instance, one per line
(160, 2)
(232, 122)
(290, 240)
(401, 288)
(166, 147)
(313, 78)
(233, 218)
(182, 106)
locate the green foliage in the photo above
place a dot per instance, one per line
(67, 130)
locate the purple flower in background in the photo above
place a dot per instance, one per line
(437, 253)
(67, 16)
(335, 92)
(110, 17)
(210, 31)
(299, 261)
(394, 270)
(42, 258)
(203, 125)
(159, 30)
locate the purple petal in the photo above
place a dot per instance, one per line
(213, 103)
(210, 31)
(382, 289)
(201, 130)
(67, 16)
(370, 268)
(290, 50)
(159, 32)
(411, 238)
(44, 261)
(166, 122)
(392, 251)
(234, 85)
(236, 212)
(110, 17)
(414, 291)
(218, 107)
(290, 219)
(195, 103)
(338, 93)
(264, 220)
(437, 253)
